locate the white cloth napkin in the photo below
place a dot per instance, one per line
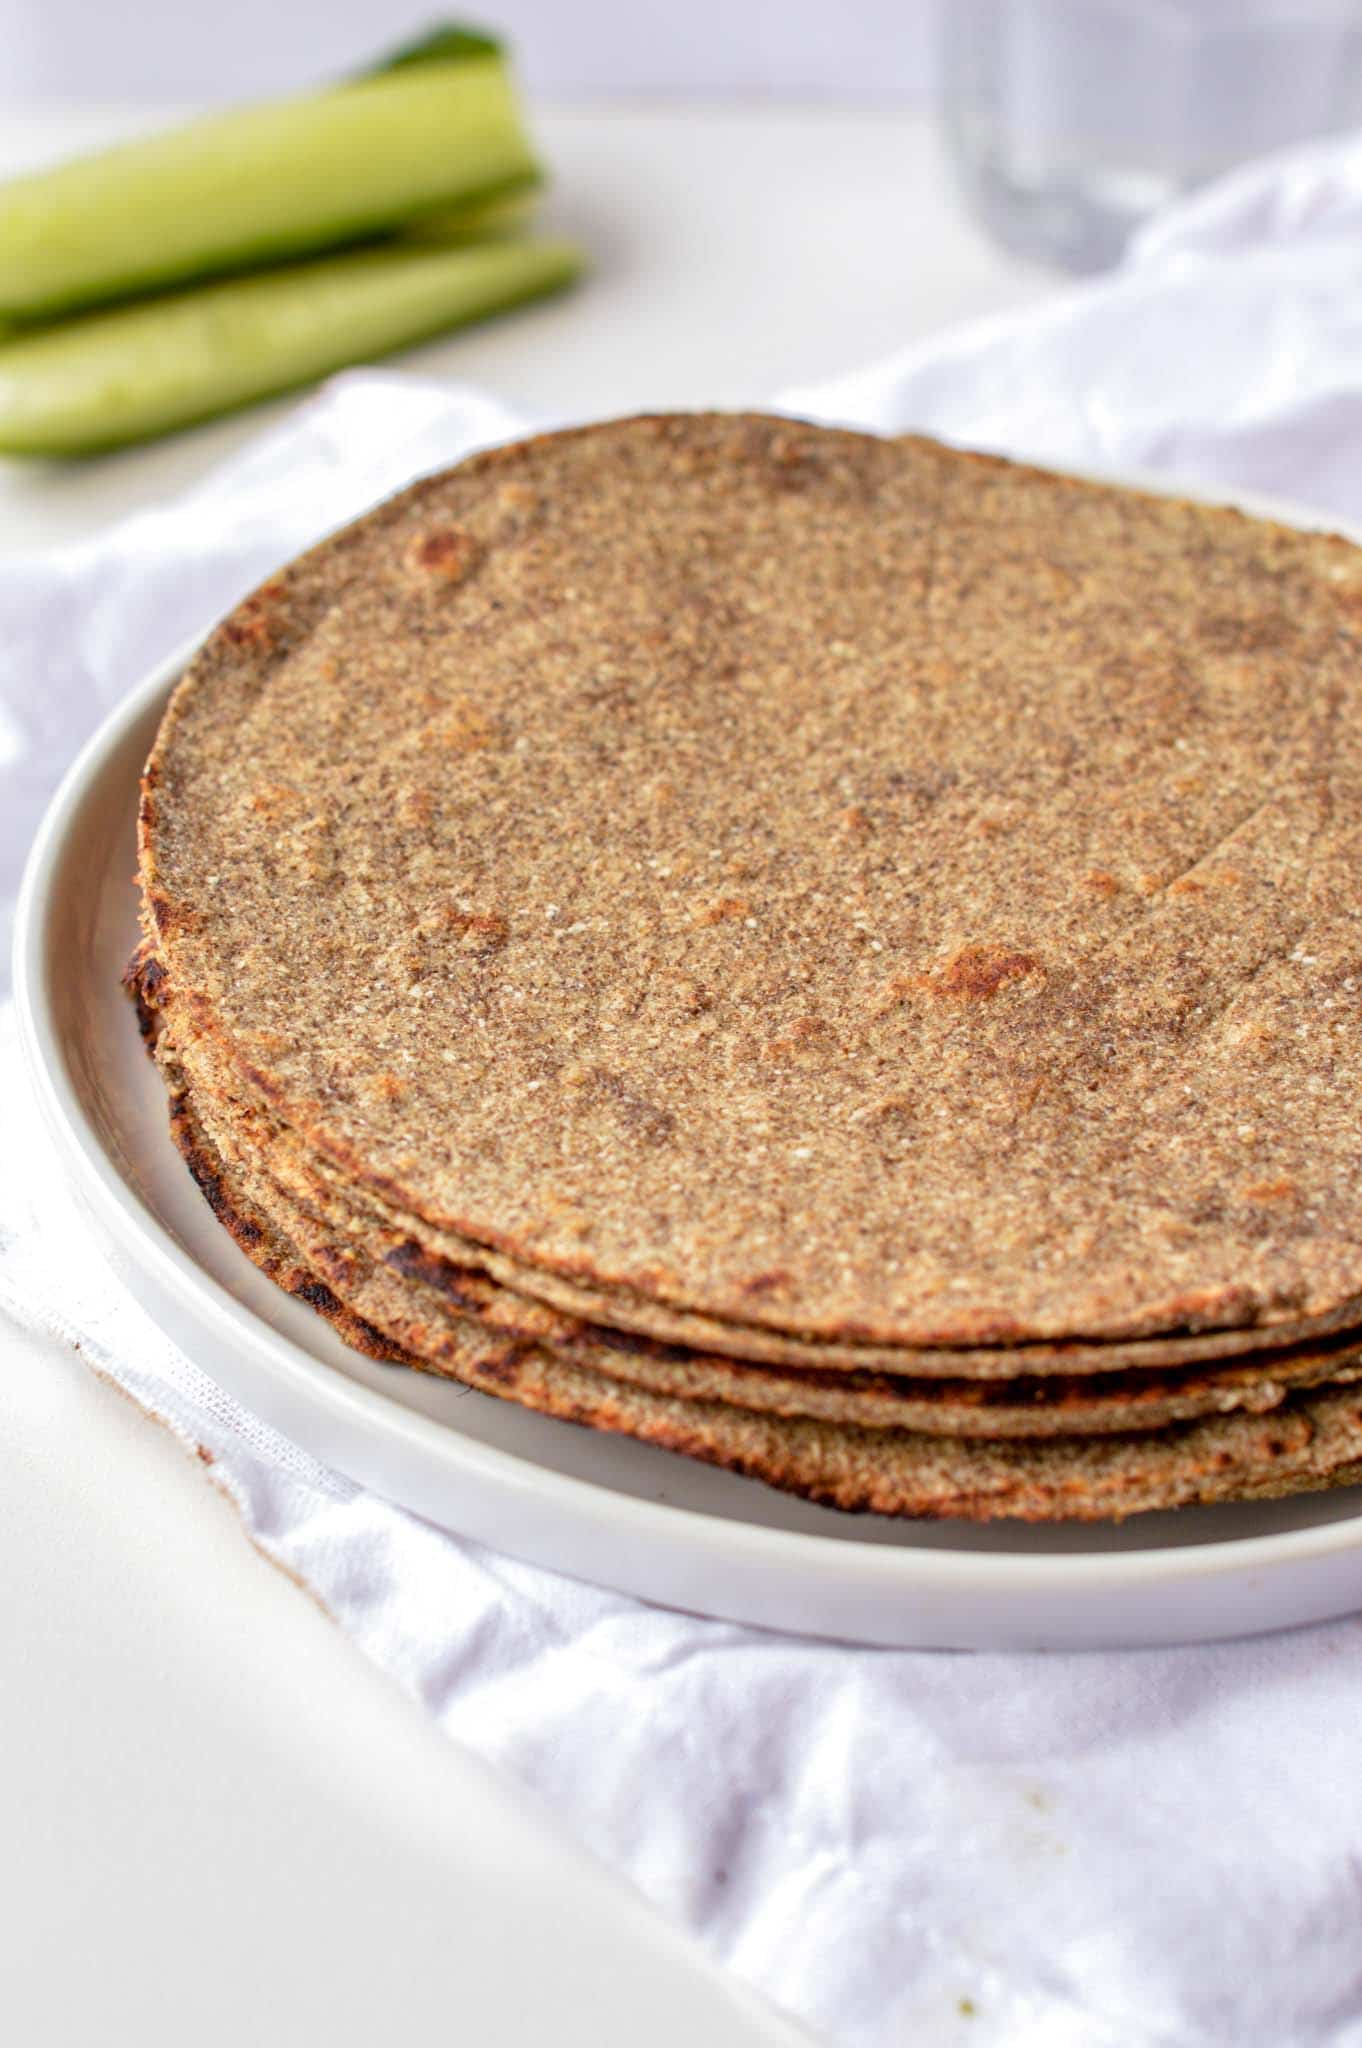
(1144, 1848)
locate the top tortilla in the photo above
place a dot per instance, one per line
(829, 884)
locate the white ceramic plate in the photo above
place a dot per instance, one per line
(601, 1508)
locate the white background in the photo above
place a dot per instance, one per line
(204, 49)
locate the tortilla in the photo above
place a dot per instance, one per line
(422, 1319)
(835, 956)
(819, 884)
(519, 1301)
(1314, 1440)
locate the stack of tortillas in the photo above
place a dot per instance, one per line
(832, 955)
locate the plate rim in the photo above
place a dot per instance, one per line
(709, 1537)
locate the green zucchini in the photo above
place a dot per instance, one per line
(509, 213)
(438, 129)
(130, 372)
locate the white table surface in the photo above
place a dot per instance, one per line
(217, 1822)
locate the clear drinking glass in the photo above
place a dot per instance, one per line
(1071, 120)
